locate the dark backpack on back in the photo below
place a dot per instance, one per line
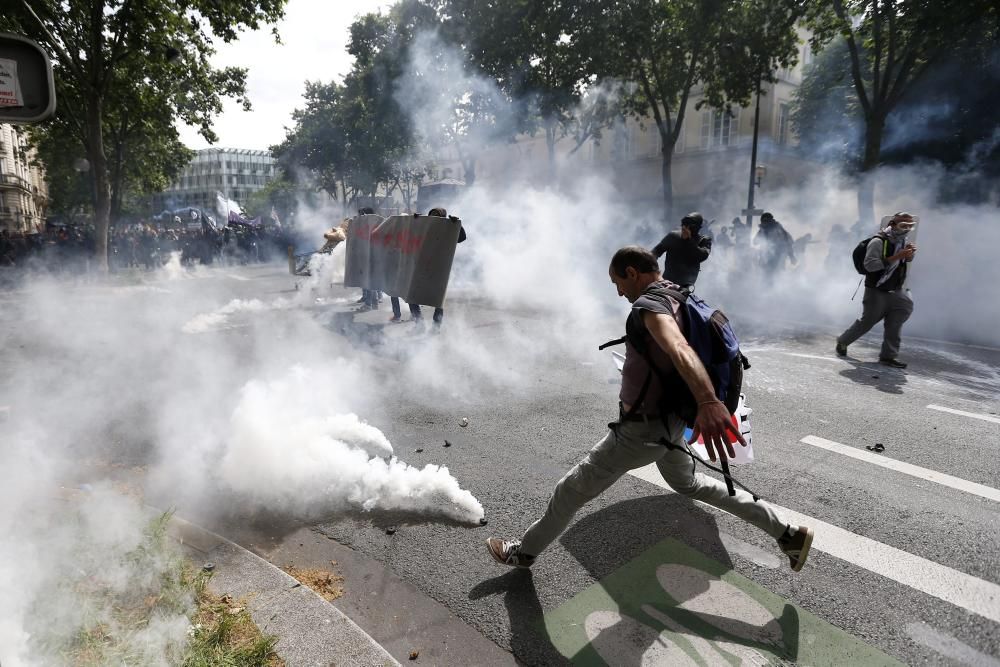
(708, 332)
(860, 250)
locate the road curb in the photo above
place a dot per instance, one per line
(310, 630)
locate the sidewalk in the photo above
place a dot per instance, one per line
(310, 630)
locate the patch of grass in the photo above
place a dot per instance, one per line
(224, 635)
(327, 584)
(138, 609)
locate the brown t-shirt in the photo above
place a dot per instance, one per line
(635, 368)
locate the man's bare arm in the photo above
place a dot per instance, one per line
(713, 421)
(668, 336)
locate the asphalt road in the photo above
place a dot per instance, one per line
(905, 565)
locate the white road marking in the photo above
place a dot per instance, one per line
(957, 588)
(906, 468)
(825, 358)
(974, 415)
(749, 551)
(809, 356)
(948, 646)
(950, 342)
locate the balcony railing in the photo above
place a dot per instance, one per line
(15, 181)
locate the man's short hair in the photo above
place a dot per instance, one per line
(636, 257)
(438, 212)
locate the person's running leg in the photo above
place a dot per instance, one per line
(633, 446)
(873, 309)
(898, 311)
(678, 470)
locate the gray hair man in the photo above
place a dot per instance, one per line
(886, 298)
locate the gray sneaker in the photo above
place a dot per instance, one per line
(796, 545)
(508, 552)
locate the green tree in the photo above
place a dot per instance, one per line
(354, 137)
(524, 46)
(825, 112)
(280, 194)
(662, 50)
(891, 45)
(107, 52)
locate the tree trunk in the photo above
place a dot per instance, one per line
(407, 193)
(469, 170)
(101, 182)
(550, 144)
(117, 185)
(874, 128)
(667, 156)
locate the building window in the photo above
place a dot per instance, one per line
(783, 117)
(717, 128)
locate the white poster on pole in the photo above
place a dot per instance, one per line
(10, 87)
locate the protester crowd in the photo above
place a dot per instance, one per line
(70, 249)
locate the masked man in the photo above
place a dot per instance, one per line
(886, 297)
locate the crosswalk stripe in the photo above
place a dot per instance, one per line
(974, 415)
(949, 646)
(906, 468)
(957, 588)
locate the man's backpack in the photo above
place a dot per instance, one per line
(708, 332)
(860, 250)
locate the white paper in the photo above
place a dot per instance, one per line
(619, 359)
(10, 87)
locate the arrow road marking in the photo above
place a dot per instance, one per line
(957, 588)
(905, 468)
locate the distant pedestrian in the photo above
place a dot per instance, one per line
(685, 248)
(632, 441)
(775, 244)
(887, 259)
(741, 232)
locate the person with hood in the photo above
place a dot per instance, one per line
(887, 258)
(686, 249)
(775, 243)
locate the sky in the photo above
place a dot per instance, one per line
(314, 37)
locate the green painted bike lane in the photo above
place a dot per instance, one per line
(675, 606)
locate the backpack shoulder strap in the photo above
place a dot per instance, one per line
(616, 341)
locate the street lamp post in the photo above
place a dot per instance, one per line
(754, 176)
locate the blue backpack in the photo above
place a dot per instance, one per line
(709, 333)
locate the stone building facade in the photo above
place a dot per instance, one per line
(24, 194)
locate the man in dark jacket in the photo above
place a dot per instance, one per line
(775, 244)
(686, 249)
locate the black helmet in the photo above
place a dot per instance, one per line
(693, 220)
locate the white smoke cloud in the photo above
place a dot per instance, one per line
(288, 451)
